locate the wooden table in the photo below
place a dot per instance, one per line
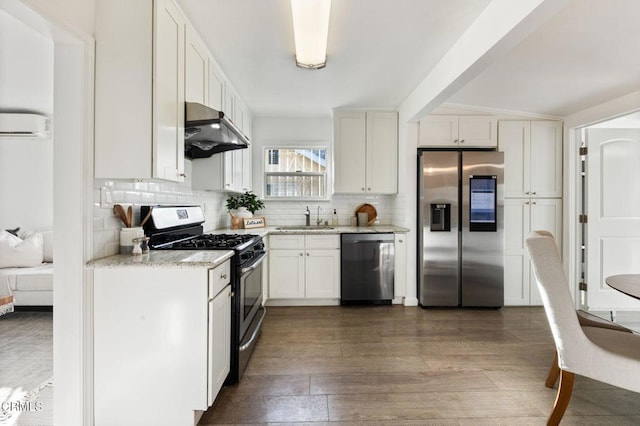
(628, 284)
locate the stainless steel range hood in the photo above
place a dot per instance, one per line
(208, 131)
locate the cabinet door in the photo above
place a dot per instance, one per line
(219, 342)
(514, 141)
(322, 274)
(286, 274)
(546, 214)
(349, 152)
(216, 87)
(517, 215)
(247, 175)
(439, 131)
(400, 266)
(196, 69)
(546, 155)
(477, 131)
(382, 152)
(168, 112)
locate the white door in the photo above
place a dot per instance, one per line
(613, 207)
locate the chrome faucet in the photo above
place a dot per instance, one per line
(318, 220)
(307, 217)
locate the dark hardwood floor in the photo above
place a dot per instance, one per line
(395, 365)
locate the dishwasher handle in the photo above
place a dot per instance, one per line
(371, 242)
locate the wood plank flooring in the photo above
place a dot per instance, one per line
(396, 365)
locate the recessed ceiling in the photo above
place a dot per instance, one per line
(378, 50)
(586, 54)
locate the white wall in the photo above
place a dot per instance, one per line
(26, 165)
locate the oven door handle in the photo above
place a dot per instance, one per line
(254, 265)
(256, 331)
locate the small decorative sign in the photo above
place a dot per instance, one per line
(254, 222)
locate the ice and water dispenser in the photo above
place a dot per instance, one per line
(440, 217)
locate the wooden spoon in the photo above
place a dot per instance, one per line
(117, 209)
(129, 217)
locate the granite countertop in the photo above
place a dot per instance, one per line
(166, 259)
(300, 229)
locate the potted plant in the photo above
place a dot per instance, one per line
(243, 205)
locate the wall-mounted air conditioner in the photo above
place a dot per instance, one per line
(24, 125)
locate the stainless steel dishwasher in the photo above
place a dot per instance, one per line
(366, 268)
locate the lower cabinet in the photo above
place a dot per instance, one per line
(304, 267)
(523, 215)
(159, 330)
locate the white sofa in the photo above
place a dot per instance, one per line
(22, 285)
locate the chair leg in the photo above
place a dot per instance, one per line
(562, 398)
(554, 373)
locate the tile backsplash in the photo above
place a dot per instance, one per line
(106, 225)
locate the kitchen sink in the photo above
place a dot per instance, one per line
(303, 227)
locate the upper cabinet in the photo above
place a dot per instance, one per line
(532, 158)
(139, 90)
(453, 131)
(196, 69)
(366, 152)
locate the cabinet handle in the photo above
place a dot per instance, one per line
(184, 175)
(462, 141)
(527, 193)
(526, 202)
(363, 189)
(307, 254)
(223, 276)
(369, 189)
(228, 184)
(534, 202)
(399, 241)
(455, 141)
(534, 193)
(301, 254)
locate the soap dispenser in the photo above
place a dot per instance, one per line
(334, 218)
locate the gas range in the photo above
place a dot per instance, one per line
(180, 228)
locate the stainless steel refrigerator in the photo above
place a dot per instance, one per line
(461, 228)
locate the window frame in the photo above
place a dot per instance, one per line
(293, 145)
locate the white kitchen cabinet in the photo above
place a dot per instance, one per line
(139, 90)
(523, 215)
(216, 86)
(532, 158)
(155, 332)
(219, 341)
(400, 266)
(458, 131)
(196, 69)
(366, 152)
(533, 198)
(304, 266)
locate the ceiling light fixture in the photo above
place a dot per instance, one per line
(310, 31)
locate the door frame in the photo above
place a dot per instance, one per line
(72, 124)
(573, 125)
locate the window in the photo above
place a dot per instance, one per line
(295, 173)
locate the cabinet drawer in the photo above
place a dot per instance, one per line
(322, 242)
(219, 277)
(286, 242)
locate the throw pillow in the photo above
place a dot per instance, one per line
(17, 253)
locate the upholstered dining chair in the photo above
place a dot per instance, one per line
(608, 355)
